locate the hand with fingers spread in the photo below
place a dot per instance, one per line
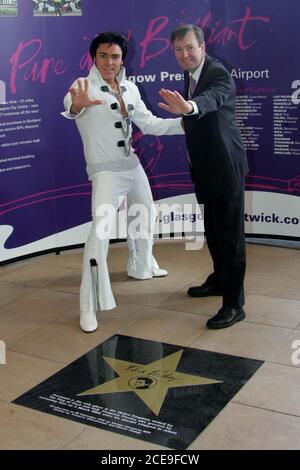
(80, 97)
(174, 102)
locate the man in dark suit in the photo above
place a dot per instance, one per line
(218, 167)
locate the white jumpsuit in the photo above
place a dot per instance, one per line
(115, 172)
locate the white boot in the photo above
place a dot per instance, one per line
(158, 272)
(88, 321)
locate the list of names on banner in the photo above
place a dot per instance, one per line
(249, 115)
(286, 126)
(19, 130)
(251, 112)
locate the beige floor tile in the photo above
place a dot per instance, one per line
(11, 292)
(181, 302)
(148, 292)
(297, 256)
(118, 277)
(240, 427)
(61, 342)
(264, 264)
(243, 339)
(25, 429)
(115, 320)
(117, 257)
(257, 250)
(46, 305)
(281, 285)
(175, 251)
(184, 273)
(11, 266)
(273, 311)
(14, 326)
(153, 292)
(71, 259)
(274, 387)
(22, 372)
(270, 259)
(122, 317)
(290, 266)
(69, 283)
(288, 350)
(98, 439)
(34, 274)
(167, 326)
(254, 280)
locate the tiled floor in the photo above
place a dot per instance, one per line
(39, 324)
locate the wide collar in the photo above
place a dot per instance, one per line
(95, 75)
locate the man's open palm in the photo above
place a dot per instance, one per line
(80, 96)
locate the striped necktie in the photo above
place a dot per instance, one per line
(192, 86)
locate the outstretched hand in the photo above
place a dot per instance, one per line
(174, 102)
(80, 96)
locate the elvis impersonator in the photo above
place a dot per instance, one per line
(104, 106)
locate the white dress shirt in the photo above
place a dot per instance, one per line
(195, 75)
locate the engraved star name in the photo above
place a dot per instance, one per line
(149, 382)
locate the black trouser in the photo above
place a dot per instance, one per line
(225, 236)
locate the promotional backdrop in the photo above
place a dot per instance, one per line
(44, 191)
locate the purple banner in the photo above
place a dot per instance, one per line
(44, 187)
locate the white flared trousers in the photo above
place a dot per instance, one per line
(109, 189)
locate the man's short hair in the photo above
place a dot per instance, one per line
(109, 37)
(183, 29)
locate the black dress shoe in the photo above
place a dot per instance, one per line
(205, 290)
(226, 316)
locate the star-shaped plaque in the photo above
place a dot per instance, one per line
(149, 382)
(94, 389)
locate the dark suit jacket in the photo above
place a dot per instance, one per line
(217, 155)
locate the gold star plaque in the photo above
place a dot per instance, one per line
(149, 382)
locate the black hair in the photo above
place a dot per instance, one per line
(183, 29)
(109, 37)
